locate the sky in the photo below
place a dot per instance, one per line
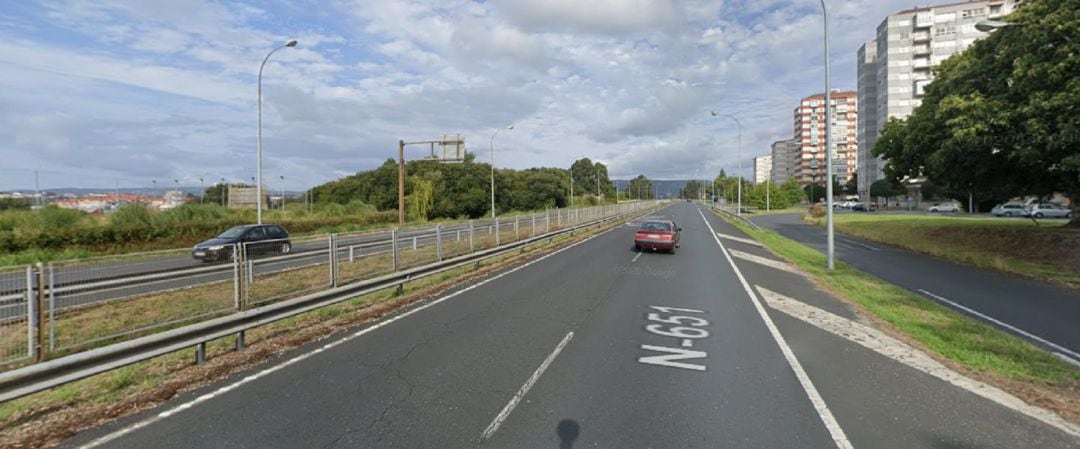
(99, 93)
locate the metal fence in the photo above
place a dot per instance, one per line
(95, 301)
(16, 313)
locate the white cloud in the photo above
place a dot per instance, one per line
(166, 89)
(615, 17)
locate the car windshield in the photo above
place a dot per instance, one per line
(233, 233)
(656, 226)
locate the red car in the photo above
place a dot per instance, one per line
(657, 235)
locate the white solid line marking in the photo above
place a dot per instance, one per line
(1064, 351)
(892, 348)
(505, 413)
(265, 372)
(859, 244)
(763, 261)
(838, 436)
(739, 239)
(636, 258)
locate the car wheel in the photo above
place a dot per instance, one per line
(1068, 215)
(1008, 214)
(286, 248)
(672, 250)
(1038, 215)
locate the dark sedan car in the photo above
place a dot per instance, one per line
(258, 239)
(657, 235)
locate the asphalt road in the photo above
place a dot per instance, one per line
(593, 346)
(305, 252)
(1034, 310)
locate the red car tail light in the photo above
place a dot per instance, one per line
(666, 236)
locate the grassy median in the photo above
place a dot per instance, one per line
(1047, 252)
(965, 341)
(46, 418)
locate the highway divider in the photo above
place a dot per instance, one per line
(403, 267)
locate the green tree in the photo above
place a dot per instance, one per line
(691, 190)
(14, 204)
(1002, 118)
(640, 188)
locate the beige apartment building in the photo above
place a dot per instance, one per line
(762, 169)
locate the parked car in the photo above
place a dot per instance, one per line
(258, 239)
(1009, 210)
(944, 207)
(1050, 210)
(657, 236)
(863, 207)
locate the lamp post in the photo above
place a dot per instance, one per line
(987, 26)
(493, 167)
(202, 190)
(571, 173)
(738, 203)
(224, 189)
(830, 258)
(258, 184)
(177, 181)
(282, 192)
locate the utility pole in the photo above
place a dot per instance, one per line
(37, 189)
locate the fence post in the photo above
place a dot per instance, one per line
(333, 260)
(414, 243)
(351, 248)
(237, 277)
(497, 232)
(471, 236)
(547, 221)
(438, 242)
(394, 247)
(52, 308)
(517, 235)
(533, 233)
(40, 312)
(30, 312)
(558, 217)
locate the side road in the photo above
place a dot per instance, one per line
(1044, 314)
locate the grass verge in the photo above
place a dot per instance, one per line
(1049, 252)
(962, 342)
(44, 419)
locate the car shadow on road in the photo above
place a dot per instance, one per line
(568, 431)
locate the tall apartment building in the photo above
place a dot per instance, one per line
(866, 133)
(762, 168)
(785, 157)
(810, 134)
(908, 44)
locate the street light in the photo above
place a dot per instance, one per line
(202, 192)
(493, 167)
(282, 192)
(987, 26)
(258, 184)
(830, 259)
(224, 188)
(738, 204)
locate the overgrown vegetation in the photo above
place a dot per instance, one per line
(49, 233)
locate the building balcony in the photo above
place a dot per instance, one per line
(920, 64)
(921, 50)
(920, 37)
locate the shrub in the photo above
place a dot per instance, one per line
(52, 217)
(817, 210)
(132, 215)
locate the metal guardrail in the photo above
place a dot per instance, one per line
(735, 216)
(48, 374)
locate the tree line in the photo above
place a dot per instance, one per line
(463, 190)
